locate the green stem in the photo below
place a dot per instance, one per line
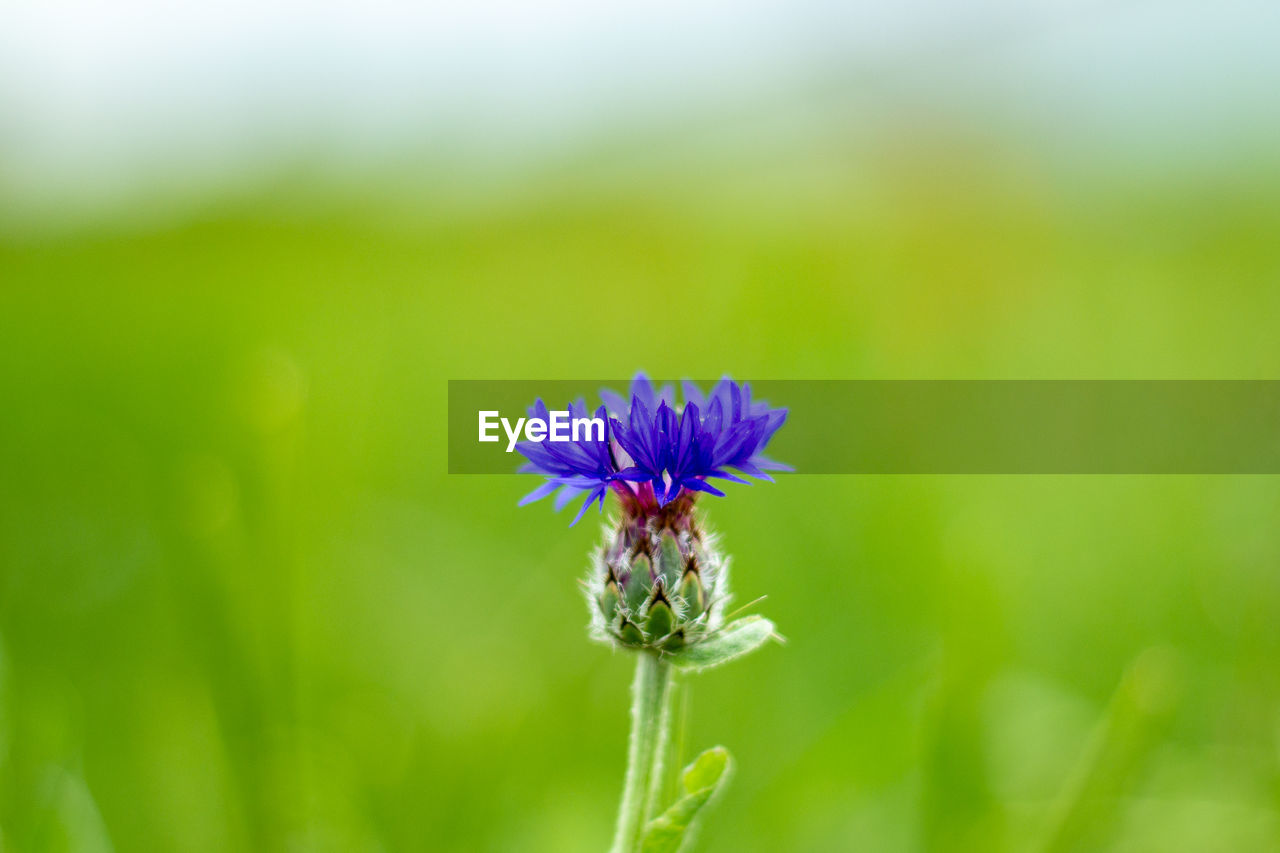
(663, 752)
(650, 725)
(678, 704)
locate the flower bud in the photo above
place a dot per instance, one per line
(658, 582)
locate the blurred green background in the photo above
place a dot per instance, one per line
(242, 606)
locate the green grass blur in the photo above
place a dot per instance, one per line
(243, 607)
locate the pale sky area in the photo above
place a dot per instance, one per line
(97, 94)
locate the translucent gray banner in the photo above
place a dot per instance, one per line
(951, 427)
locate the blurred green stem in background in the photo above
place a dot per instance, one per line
(650, 735)
(1135, 722)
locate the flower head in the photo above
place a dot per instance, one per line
(655, 452)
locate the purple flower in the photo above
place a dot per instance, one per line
(654, 452)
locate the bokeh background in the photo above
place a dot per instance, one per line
(243, 246)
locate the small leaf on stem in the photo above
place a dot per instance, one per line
(732, 641)
(702, 779)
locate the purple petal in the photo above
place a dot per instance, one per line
(539, 493)
(769, 465)
(702, 486)
(693, 394)
(567, 494)
(597, 494)
(616, 403)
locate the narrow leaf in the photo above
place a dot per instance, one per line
(702, 779)
(733, 641)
